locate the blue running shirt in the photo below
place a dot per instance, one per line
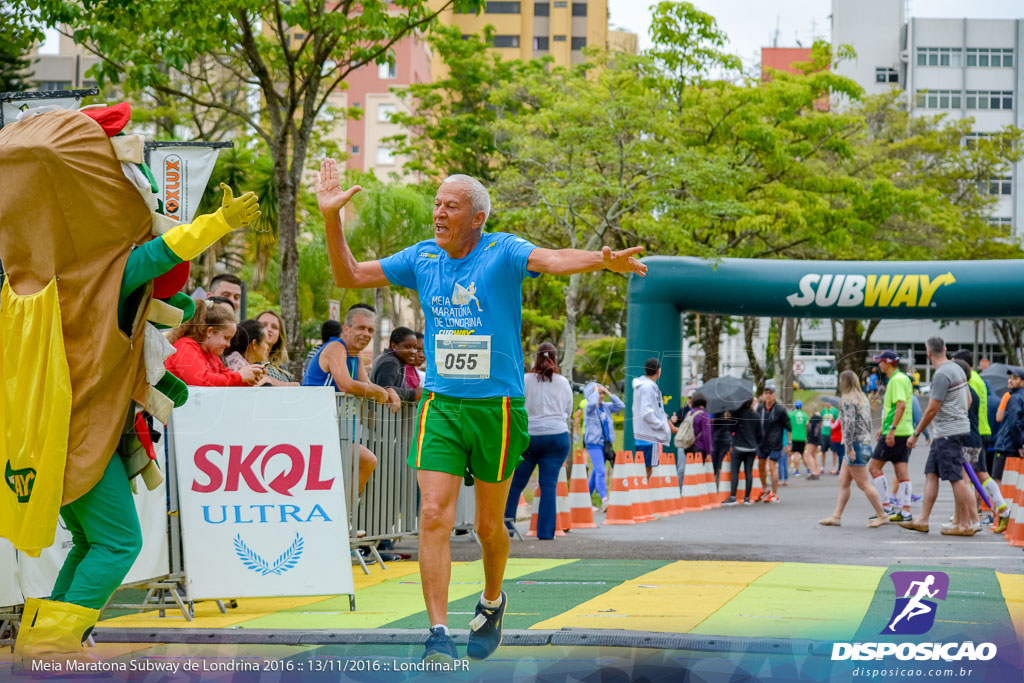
(474, 312)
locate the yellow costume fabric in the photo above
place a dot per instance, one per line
(35, 414)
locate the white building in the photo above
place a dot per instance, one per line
(957, 67)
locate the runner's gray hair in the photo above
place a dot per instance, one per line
(479, 198)
(936, 345)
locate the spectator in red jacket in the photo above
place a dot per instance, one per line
(200, 343)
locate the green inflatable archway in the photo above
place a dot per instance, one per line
(801, 289)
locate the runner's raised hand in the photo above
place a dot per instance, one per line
(329, 195)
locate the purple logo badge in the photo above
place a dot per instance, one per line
(916, 592)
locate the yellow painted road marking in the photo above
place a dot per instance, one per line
(671, 599)
(1012, 586)
(792, 601)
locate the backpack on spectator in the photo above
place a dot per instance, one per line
(685, 435)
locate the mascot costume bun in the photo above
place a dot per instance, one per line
(92, 270)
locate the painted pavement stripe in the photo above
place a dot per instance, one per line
(208, 616)
(798, 600)
(974, 608)
(543, 595)
(393, 599)
(1012, 586)
(674, 598)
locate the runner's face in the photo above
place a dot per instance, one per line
(406, 350)
(454, 220)
(359, 333)
(272, 326)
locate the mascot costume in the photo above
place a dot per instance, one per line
(93, 268)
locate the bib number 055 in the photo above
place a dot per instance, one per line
(461, 356)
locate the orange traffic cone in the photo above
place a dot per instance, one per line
(580, 509)
(564, 521)
(1015, 529)
(646, 495)
(712, 485)
(659, 494)
(756, 490)
(741, 486)
(1008, 487)
(672, 487)
(535, 513)
(620, 507)
(635, 465)
(691, 486)
(523, 510)
(724, 478)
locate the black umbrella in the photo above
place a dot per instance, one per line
(996, 376)
(726, 393)
(834, 400)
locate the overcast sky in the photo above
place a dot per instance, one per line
(751, 24)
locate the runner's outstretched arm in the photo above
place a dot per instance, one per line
(348, 272)
(569, 261)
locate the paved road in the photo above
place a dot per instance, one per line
(786, 531)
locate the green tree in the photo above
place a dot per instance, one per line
(19, 31)
(580, 163)
(294, 53)
(451, 118)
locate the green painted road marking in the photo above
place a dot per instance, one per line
(556, 590)
(394, 599)
(797, 600)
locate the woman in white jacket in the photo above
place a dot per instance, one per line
(650, 424)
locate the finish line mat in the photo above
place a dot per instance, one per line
(729, 599)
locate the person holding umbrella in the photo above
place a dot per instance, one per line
(745, 440)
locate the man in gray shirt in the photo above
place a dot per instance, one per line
(947, 409)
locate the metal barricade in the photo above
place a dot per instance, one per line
(389, 506)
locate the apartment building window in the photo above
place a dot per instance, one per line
(389, 69)
(542, 9)
(506, 41)
(384, 111)
(385, 155)
(540, 43)
(1000, 220)
(355, 149)
(299, 36)
(1000, 186)
(578, 43)
(939, 56)
(937, 99)
(989, 56)
(502, 8)
(560, 3)
(884, 74)
(54, 85)
(990, 99)
(558, 39)
(579, 9)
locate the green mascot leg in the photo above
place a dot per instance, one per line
(107, 539)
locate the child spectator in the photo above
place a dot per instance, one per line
(200, 343)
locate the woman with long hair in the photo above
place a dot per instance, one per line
(548, 409)
(249, 346)
(278, 356)
(200, 343)
(855, 416)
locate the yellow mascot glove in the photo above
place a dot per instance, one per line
(189, 240)
(241, 211)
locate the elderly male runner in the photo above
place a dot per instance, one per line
(471, 417)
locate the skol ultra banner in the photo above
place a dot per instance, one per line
(261, 493)
(181, 174)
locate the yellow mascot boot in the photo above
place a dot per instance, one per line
(54, 633)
